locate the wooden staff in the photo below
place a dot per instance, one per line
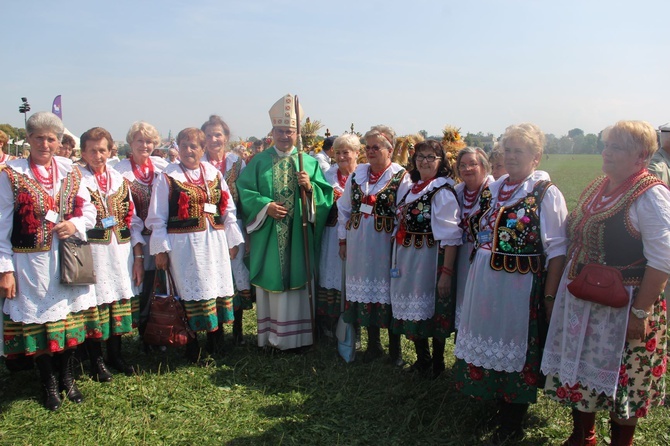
(305, 229)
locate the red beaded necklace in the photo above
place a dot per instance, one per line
(48, 181)
(199, 181)
(373, 178)
(342, 179)
(505, 194)
(417, 188)
(602, 201)
(222, 165)
(143, 173)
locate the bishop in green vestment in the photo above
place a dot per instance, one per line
(269, 191)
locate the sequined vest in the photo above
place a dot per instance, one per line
(141, 197)
(118, 206)
(383, 210)
(31, 232)
(416, 220)
(517, 239)
(193, 199)
(608, 236)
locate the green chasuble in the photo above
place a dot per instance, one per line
(277, 260)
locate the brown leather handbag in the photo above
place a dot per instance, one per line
(167, 324)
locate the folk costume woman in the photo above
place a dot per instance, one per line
(193, 222)
(473, 169)
(43, 318)
(424, 254)
(345, 152)
(4, 157)
(520, 244)
(141, 170)
(366, 220)
(230, 165)
(116, 243)
(597, 356)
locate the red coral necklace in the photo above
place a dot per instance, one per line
(602, 201)
(373, 178)
(143, 173)
(341, 178)
(504, 193)
(48, 182)
(417, 188)
(222, 165)
(198, 181)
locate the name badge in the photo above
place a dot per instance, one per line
(52, 217)
(210, 208)
(108, 222)
(366, 209)
(484, 237)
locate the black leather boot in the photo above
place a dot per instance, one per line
(438, 357)
(67, 383)
(375, 349)
(193, 352)
(511, 421)
(238, 335)
(423, 360)
(99, 371)
(395, 352)
(214, 342)
(52, 399)
(114, 357)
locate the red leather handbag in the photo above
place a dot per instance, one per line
(601, 284)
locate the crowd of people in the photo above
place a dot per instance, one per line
(479, 247)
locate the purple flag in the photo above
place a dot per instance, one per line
(56, 108)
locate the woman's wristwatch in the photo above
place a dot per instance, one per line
(640, 314)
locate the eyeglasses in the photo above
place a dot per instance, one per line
(468, 166)
(429, 158)
(374, 148)
(281, 132)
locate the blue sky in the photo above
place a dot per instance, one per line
(413, 65)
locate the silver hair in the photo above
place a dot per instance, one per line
(348, 140)
(45, 122)
(385, 132)
(479, 153)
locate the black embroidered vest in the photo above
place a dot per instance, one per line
(608, 236)
(31, 232)
(383, 210)
(195, 207)
(416, 220)
(118, 206)
(517, 240)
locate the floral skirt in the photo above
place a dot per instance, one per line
(51, 337)
(368, 315)
(641, 376)
(517, 387)
(328, 302)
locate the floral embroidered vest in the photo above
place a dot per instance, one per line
(120, 207)
(383, 209)
(187, 206)
(517, 241)
(141, 197)
(608, 236)
(31, 232)
(415, 226)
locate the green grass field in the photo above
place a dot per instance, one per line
(253, 397)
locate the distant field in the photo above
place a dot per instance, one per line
(572, 173)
